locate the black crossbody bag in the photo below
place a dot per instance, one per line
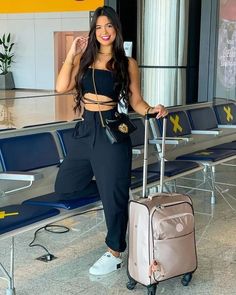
(118, 129)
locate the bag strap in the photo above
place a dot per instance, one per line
(98, 103)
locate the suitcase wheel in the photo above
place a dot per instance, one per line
(131, 284)
(186, 279)
(151, 289)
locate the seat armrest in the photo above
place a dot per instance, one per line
(185, 139)
(138, 150)
(159, 141)
(26, 176)
(171, 140)
(227, 126)
(206, 132)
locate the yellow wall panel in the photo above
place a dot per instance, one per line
(25, 6)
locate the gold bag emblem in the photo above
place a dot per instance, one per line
(123, 128)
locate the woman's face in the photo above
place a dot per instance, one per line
(105, 31)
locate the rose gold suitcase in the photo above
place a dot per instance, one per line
(161, 233)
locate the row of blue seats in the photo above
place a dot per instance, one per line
(204, 121)
(173, 169)
(40, 150)
(19, 156)
(212, 125)
(22, 159)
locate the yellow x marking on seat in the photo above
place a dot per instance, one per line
(176, 125)
(204, 153)
(3, 214)
(229, 116)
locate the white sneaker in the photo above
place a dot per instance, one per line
(105, 265)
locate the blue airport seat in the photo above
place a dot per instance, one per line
(137, 178)
(209, 155)
(182, 124)
(28, 152)
(26, 215)
(225, 146)
(177, 124)
(69, 201)
(66, 139)
(172, 168)
(202, 118)
(226, 113)
(209, 121)
(199, 121)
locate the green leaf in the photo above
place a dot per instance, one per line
(6, 56)
(10, 48)
(8, 38)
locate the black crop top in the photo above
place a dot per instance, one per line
(104, 81)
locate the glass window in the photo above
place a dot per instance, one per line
(163, 58)
(225, 79)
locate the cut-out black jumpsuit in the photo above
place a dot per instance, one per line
(91, 154)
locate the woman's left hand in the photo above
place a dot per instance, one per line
(160, 110)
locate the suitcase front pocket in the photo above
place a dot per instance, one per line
(174, 256)
(166, 225)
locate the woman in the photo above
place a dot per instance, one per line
(102, 75)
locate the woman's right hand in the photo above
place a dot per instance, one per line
(66, 78)
(78, 46)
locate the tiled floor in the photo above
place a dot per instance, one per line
(84, 243)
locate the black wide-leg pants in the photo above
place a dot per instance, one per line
(91, 154)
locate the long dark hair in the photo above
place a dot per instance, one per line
(118, 64)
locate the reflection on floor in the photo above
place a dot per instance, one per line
(84, 243)
(24, 93)
(19, 108)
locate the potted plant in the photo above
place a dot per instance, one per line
(6, 59)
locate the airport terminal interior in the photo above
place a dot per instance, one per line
(187, 61)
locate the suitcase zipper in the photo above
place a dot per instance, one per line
(162, 206)
(174, 216)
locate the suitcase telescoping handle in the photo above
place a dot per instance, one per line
(145, 158)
